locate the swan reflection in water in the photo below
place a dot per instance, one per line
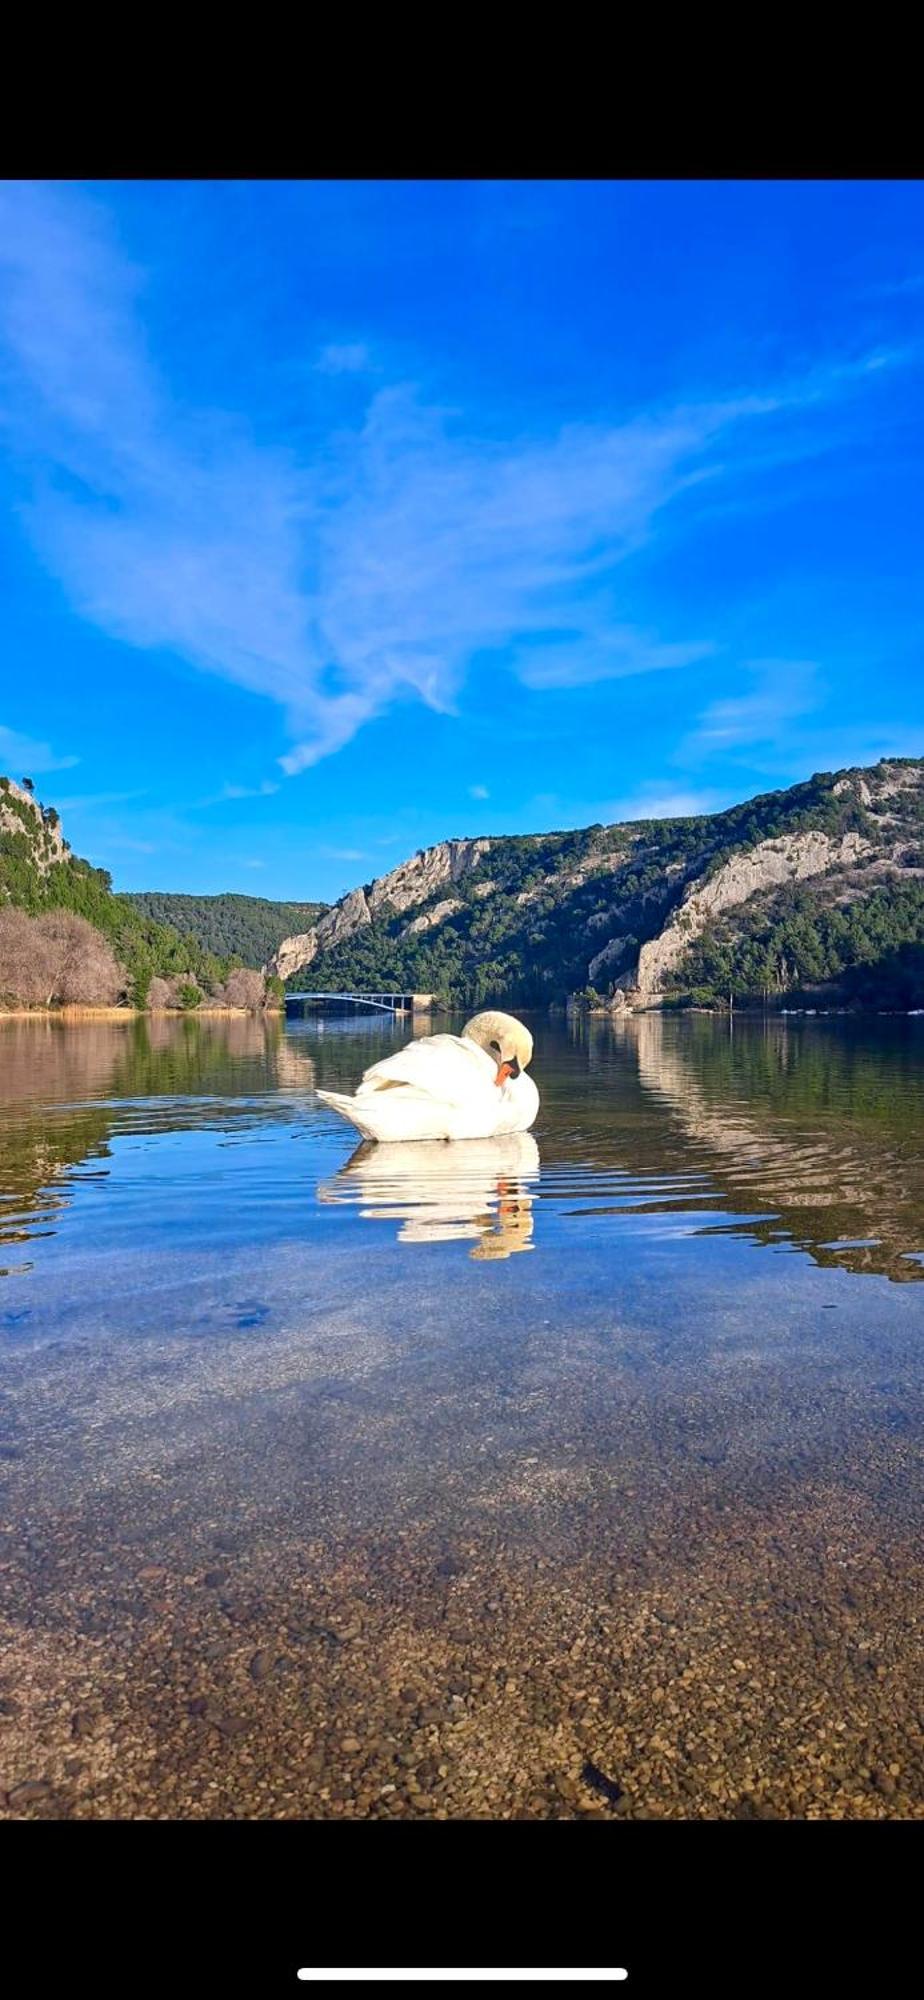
(471, 1190)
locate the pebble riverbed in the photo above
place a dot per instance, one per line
(385, 1531)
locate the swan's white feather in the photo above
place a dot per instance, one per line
(448, 1067)
(438, 1087)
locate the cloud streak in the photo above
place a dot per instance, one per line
(344, 358)
(781, 692)
(25, 754)
(379, 569)
(654, 801)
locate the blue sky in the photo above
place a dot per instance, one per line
(338, 518)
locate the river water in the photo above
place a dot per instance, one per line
(574, 1474)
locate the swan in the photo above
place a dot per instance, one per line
(468, 1086)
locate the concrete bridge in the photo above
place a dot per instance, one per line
(387, 1003)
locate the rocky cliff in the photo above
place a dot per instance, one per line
(792, 885)
(795, 857)
(404, 888)
(34, 826)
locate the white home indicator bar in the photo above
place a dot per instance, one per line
(469, 1972)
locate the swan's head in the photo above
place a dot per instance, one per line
(504, 1038)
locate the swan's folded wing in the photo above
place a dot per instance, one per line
(441, 1066)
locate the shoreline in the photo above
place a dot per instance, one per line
(77, 1013)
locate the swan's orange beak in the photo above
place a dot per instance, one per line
(506, 1069)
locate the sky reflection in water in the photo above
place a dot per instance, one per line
(192, 1134)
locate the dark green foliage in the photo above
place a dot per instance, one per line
(142, 946)
(869, 950)
(559, 897)
(249, 927)
(552, 903)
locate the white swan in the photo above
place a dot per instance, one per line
(468, 1086)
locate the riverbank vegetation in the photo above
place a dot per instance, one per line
(66, 939)
(816, 890)
(797, 949)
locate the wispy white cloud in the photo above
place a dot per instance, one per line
(478, 792)
(654, 801)
(122, 844)
(580, 660)
(344, 853)
(344, 358)
(781, 691)
(93, 801)
(261, 791)
(376, 570)
(167, 528)
(23, 755)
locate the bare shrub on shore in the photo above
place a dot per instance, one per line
(173, 991)
(28, 961)
(242, 988)
(161, 992)
(176, 990)
(56, 959)
(89, 974)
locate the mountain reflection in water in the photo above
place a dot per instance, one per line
(804, 1137)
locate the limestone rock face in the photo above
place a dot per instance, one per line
(351, 914)
(431, 918)
(21, 813)
(415, 881)
(895, 778)
(412, 882)
(855, 787)
(613, 954)
(793, 857)
(600, 860)
(605, 888)
(293, 955)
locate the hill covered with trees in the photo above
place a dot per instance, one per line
(812, 895)
(818, 889)
(65, 939)
(251, 928)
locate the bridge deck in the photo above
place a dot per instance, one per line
(388, 1001)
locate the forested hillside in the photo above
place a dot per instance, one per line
(66, 939)
(799, 941)
(813, 891)
(818, 885)
(249, 927)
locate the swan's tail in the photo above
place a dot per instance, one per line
(351, 1109)
(391, 1113)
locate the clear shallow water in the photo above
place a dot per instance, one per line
(122, 1138)
(623, 1379)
